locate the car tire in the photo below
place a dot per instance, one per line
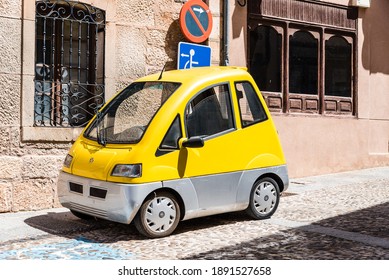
(264, 199)
(158, 216)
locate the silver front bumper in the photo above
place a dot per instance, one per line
(111, 201)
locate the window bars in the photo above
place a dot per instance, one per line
(69, 63)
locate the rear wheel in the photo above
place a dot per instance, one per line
(158, 216)
(264, 199)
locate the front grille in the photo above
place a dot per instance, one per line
(88, 210)
(76, 187)
(99, 193)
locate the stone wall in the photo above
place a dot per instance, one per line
(141, 36)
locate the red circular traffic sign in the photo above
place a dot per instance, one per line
(196, 21)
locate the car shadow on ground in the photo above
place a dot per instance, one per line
(65, 224)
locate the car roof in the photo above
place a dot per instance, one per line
(196, 74)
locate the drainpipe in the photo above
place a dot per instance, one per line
(226, 15)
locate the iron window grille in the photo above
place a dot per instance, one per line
(69, 63)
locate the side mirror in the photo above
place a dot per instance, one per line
(193, 142)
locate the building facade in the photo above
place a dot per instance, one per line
(321, 66)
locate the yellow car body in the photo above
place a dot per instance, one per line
(174, 146)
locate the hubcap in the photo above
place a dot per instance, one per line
(265, 197)
(160, 214)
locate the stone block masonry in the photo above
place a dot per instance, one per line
(29, 182)
(140, 37)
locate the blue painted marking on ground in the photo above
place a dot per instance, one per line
(75, 249)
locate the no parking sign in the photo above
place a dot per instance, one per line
(196, 21)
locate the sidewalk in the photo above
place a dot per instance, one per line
(337, 179)
(14, 227)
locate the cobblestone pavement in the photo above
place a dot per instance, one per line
(338, 216)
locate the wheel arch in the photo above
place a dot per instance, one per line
(250, 177)
(275, 177)
(180, 201)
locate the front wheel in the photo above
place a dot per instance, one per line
(264, 199)
(158, 216)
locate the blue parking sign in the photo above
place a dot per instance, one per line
(193, 55)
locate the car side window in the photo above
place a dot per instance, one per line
(170, 141)
(210, 112)
(250, 107)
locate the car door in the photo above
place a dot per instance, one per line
(215, 168)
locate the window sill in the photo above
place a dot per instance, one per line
(313, 115)
(51, 134)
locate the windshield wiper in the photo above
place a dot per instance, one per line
(101, 139)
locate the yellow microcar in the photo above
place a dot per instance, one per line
(174, 146)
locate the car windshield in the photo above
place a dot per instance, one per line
(126, 117)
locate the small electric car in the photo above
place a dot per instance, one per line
(174, 146)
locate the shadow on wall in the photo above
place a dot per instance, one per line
(239, 24)
(238, 20)
(375, 22)
(173, 37)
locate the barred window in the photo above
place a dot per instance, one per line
(69, 63)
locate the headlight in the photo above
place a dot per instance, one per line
(67, 161)
(127, 170)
